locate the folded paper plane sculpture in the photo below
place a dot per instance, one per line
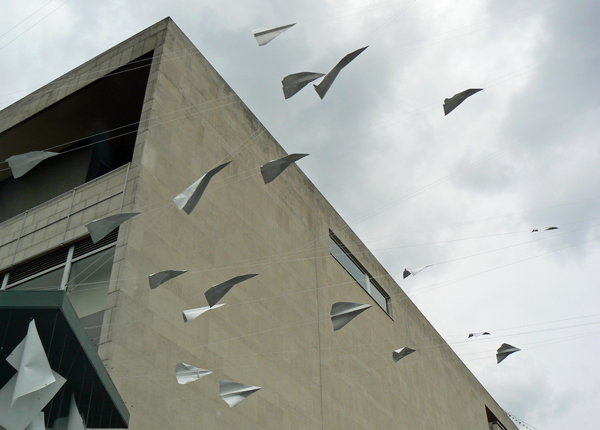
(233, 393)
(71, 422)
(216, 293)
(23, 163)
(99, 228)
(274, 168)
(186, 373)
(25, 395)
(504, 351)
(481, 333)
(265, 35)
(190, 197)
(157, 279)
(398, 354)
(408, 272)
(344, 312)
(323, 87)
(546, 229)
(453, 102)
(294, 83)
(192, 314)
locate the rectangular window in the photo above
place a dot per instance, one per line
(83, 270)
(358, 272)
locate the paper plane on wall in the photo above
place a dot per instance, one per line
(504, 351)
(99, 228)
(265, 35)
(233, 393)
(481, 333)
(192, 314)
(216, 292)
(274, 168)
(294, 83)
(453, 102)
(408, 272)
(186, 373)
(190, 197)
(157, 279)
(344, 312)
(398, 354)
(23, 163)
(323, 87)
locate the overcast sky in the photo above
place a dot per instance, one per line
(461, 192)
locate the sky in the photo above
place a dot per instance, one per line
(461, 192)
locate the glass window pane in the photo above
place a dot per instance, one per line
(88, 288)
(348, 264)
(46, 282)
(379, 298)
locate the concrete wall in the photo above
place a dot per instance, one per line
(275, 330)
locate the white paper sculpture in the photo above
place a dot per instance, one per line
(99, 228)
(23, 163)
(408, 272)
(481, 333)
(73, 421)
(216, 293)
(233, 393)
(186, 373)
(504, 351)
(274, 168)
(293, 83)
(192, 314)
(401, 353)
(265, 35)
(344, 312)
(157, 279)
(453, 102)
(32, 387)
(323, 87)
(190, 197)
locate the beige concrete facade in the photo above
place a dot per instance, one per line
(275, 330)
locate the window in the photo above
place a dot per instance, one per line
(82, 269)
(358, 272)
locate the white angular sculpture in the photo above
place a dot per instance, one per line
(99, 228)
(37, 423)
(481, 333)
(344, 312)
(504, 351)
(265, 35)
(453, 102)
(274, 168)
(157, 279)
(233, 393)
(189, 198)
(323, 87)
(408, 272)
(216, 292)
(73, 421)
(23, 163)
(186, 373)
(192, 314)
(291, 84)
(398, 354)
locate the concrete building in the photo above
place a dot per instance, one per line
(134, 127)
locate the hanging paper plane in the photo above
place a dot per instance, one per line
(265, 35)
(344, 312)
(274, 168)
(157, 279)
(186, 373)
(398, 354)
(453, 102)
(504, 351)
(71, 422)
(233, 392)
(481, 333)
(23, 163)
(323, 87)
(408, 272)
(217, 292)
(192, 314)
(294, 83)
(99, 228)
(190, 197)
